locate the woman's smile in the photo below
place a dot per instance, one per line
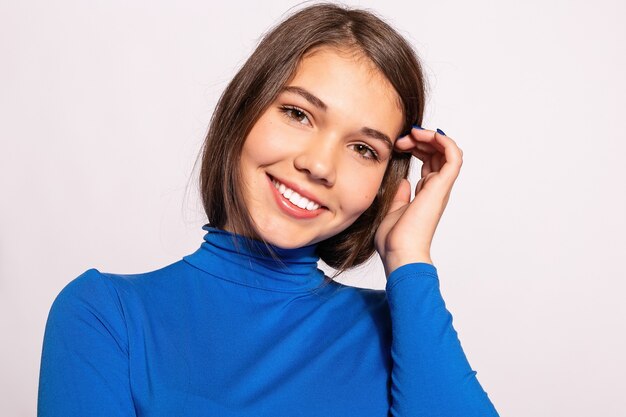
(293, 203)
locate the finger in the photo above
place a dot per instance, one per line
(427, 167)
(435, 145)
(419, 186)
(402, 196)
(426, 137)
(423, 181)
(420, 155)
(432, 164)
(453, 156)
(449, 160)
(438, 161)
(407, 144)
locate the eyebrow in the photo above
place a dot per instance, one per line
(315, 101)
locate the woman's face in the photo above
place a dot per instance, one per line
(328, 137)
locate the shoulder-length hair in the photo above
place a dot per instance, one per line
(257, 84)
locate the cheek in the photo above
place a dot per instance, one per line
(360, 190)
(265, 144)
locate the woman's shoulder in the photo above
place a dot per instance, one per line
(89, 285)
(88, 304)
(93, 279)
(108, 300)
(94, 286)
(358, 297)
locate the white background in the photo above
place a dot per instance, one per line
(104, 106)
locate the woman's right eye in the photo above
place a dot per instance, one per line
(294, 113)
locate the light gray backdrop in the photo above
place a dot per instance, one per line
(104, 105)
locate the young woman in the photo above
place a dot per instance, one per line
(306, 157)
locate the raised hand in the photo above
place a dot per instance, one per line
(406, 233)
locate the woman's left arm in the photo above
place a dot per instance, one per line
(431, 374)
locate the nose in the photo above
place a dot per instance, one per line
(318, 161)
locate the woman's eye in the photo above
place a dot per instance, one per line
(294, 113)
(365, 151)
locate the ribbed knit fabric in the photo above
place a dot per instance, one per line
(230, 331)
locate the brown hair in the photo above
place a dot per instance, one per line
(257, 84)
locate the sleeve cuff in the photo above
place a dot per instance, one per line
(412, 269)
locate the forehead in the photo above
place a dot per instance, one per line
(347, 80)
(323, 58)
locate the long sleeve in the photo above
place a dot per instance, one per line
(431, 375)
(84, 363)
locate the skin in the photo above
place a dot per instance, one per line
(406, 233)
(320, 150)
(326, 153)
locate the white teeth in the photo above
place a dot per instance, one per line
(302, 202)
(295, 198)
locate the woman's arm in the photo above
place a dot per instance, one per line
(84, 362)
(430, 375)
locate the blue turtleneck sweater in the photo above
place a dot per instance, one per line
(229, 331)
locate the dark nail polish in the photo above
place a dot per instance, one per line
(440, 132)
(418, 127)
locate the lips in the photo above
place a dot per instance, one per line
(296, 188)
(295, 198)
(288, 207)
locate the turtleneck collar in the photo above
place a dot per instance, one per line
(247, 261)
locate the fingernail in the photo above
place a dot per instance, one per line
(440, 132)
(418, 127)
(404, 134)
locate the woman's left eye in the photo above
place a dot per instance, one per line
(365, 151)
(294, 113)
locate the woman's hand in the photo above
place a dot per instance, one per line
(406, 233)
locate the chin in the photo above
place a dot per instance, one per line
(286, 237)
(286, 242)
